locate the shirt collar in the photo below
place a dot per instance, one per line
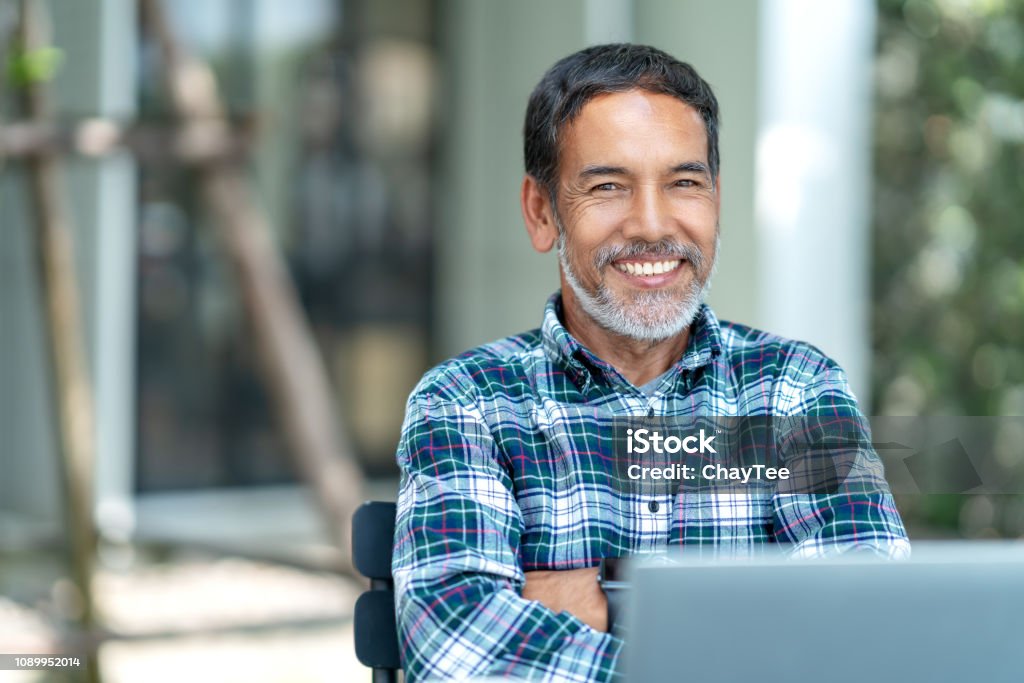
(584, 367)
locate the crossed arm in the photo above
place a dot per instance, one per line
(570, 590)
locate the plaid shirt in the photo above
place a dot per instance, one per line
(498, 479)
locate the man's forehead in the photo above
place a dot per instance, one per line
(634, 124)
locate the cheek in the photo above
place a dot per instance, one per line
(696, 205)
(592, 228)
(699, 217)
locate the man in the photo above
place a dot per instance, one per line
(505, 510)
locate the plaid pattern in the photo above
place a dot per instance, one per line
(501, 475)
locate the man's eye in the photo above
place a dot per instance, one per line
(686, 182)
(605, 187)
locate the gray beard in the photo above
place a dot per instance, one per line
(651, 316)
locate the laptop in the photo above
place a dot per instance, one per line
(954, 612)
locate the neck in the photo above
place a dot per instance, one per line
(637, 360)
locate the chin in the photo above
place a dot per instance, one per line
(627, 321)
(652, 331)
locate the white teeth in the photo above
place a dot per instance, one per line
(648, 267)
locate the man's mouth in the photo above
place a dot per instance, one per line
(647, 268)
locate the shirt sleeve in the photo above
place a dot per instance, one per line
(458, 580)
(855, 511)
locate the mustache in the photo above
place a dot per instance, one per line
(668, 249)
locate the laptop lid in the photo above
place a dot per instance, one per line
(954, 612)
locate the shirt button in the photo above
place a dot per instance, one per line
(653, 506)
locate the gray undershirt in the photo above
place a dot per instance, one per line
(648, 389)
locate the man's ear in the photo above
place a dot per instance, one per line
(718, 193)
(538, 215)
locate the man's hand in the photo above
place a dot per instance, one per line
(570, 590)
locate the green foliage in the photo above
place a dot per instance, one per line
(25, 67)
(948, 257)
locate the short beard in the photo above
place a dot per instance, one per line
(652, 316)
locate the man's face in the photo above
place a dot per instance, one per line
(637, 211)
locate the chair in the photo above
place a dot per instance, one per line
(376, 634)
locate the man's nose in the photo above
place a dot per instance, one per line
(649, 216)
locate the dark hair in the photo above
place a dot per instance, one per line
(575, 80)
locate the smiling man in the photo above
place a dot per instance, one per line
(506, 505)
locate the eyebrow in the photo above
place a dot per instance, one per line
(591, 171)
(692, 167)
(685, 167)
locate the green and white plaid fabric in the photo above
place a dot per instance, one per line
(501, 474)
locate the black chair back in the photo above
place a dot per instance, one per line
(376, 634)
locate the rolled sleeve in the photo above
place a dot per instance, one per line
(856, 512)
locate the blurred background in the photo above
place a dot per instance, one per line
(873, 204)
